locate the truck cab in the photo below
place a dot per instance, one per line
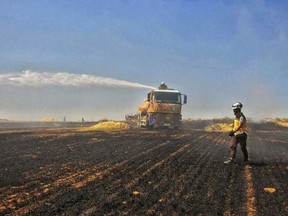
(162, 108)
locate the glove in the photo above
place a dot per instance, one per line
(231, 133)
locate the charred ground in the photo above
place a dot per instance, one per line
(60, 171)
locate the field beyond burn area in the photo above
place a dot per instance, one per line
(64, 171)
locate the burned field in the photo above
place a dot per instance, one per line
(60, 171)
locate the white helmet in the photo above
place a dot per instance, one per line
(237, 105)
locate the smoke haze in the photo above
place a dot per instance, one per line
(38, 79)
(237, 53)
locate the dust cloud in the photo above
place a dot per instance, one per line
(262, 101)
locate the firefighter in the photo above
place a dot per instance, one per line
(162, 86)
(238, 134)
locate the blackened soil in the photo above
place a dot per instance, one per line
(140, 172)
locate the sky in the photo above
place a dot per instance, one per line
(97, 59)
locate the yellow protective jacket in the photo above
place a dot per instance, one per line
(239, 119)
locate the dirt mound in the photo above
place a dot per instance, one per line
(223, 127)
(108, 125)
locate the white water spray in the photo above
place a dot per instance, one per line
(38, 79)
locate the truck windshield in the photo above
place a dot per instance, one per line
(167, 97)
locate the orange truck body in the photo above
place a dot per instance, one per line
(161, 108)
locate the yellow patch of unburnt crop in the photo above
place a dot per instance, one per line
(280, 121)
(221, 127)
(107, 125)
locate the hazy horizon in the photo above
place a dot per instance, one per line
(99, 59)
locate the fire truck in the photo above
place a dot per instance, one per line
(161, 108)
